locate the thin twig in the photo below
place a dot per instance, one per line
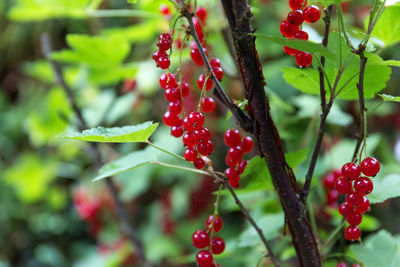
(122, 213)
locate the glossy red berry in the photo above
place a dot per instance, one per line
(295, 17)
(201, 12)
(198, 28)
(199, 163)
(165, 36)
(290, 51)
(175, 107)
(230, 162)
(176, 131)
(247, 144)
(328, 181)
(164, 44)
(218, 245)
(295, 4)
(352, 233)
(172, 95)
(203, 135)
(351, 171)
(232, 138)
(363, 185)
(201, 80)
(345, 208)
(206, 148)
(234, 182)
(364, 207)
(287, 29)
(167, 79)
(311, 14)
(235, 153)
(337, 173)
(341, 264)
(231, 173)
(332, 197)
(215, 63)
(190, 154)
(370, 166)
(164, 9)
(204, 258)
(185, 90)
(218, 223)
(170, 119)
(187, 125)
(219, 73)
(196, 57)
(242, 166)
(353, 218)
(207, 104)
(354, 199)
(189, 139)
(301, 35)
(156, 55)
(343, 185)
(200, 239)
(163, 62)
(303, 59)
(196, 119)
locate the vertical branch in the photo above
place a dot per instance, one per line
(239, 15)
(363, 109)
(112, 188)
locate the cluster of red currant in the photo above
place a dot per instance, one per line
(160, 56)
(328, 182)
(343, 264)
(290, 28)
(356, 188)
(233, 159)
(201, 239)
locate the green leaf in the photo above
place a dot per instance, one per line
(394, 63)
(379, 250)
(387, 30)
(138, 33)
(385, 188)
(389, 98)
(316, 49)
(136, 133)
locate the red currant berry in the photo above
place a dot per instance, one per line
(328, 181)
(198, 29)
(175, 107)
(196, 57)
(218, 223)
(185, 89)
(204, 258)
(199, 163)
(355, 264)
(206, 148)
(295, 4)
(230, 162)
(301, 35)
(234, 182)
(242, 166)
(196, 119)
(287, 29)
(159, 54)
(167, 79)
(201, 80)
(203, 135)
(187, 125)
(343, 185)
(247, 144)
(163, 62)
(332, 197)
(207, 104)
(352, 233)
(312, 14)
(172, 95)
(364, 207)
(215, 63)
(189, 139)
(190, 154)
(231, 173)
(170, 119)
(337, 173)
(201, 12)
(165, 36)
(345, 208)
(303, 59)
(341, 264)
(164, 44)
(219, 73)
(370, 166)
(354, 199)
(351, 171)
(295, 17)
(176, 131)
(164, 9)
(218, 245)
(232, 138)
(363, 185)
(290, 51)
(353, 218)
(235, 153)
(200, 239)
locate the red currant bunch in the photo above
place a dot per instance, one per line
(355, 187)
(291, 28)
(210, 244)
(160, 56)
(237, 146)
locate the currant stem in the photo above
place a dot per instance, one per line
(177, 167)
(165, 151)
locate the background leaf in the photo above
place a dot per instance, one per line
(389, 98)
(387, 29)
(385, 188)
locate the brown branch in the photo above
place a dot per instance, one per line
(112, 188)
(238, 14)
(242, 118)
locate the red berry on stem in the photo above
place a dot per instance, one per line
(363, 185)
(203, 135)
(364, 207)
(231, 173)
(199, 163)
(172, 95)
(189, 139)
(352, 233)
(242, 166)
(164, 44)
(353, 218)
(218, 223)
(230, 162)
(312, 14)
(247, 144)
(215, 63)
(176, 131)
(295, 4)
(207, 104)
(303, 59)
(204, 258)
(198, 29)
(295, 17)
(337, 173)
(201, 80)
(351, 171)
(196, 57)
(345, 208)
(332, 197)
(218, 245)
(232, 138)
(185, 89)
(187, 125)
(156, 55)
(328, 181)
(301, 35)
(370, 166)
(287, 29)
(290, 51)
(200, 239)
(234, 182)
(170, 119)
(206, 148)
(167, 79)
(219, 73)
(196, 119)
(163, 62)
(235, 153)
(201, 12)
(190, 154)
(343, 185)
(175, 107)
(354, 199)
